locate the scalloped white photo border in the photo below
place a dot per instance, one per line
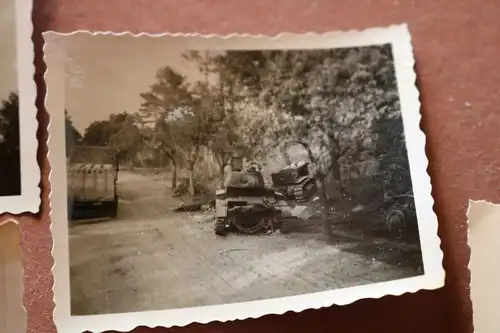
(29, 199)
(397, 35)
(483, 227)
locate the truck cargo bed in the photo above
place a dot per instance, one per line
(91, 182)
(92, 191)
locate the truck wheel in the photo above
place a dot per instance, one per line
(220, 227)
(113, 212)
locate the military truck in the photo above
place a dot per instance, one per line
(245, 204)
(92, 175)
(295, 182)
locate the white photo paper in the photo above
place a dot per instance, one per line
(213, 178)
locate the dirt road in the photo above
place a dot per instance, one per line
(151, 259)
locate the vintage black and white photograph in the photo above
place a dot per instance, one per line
(202, 175)
(10, 168)
(16, 193)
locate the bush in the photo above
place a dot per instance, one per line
(201, 189)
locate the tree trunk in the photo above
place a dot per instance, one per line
(337, 176)
(325, 203)
(174, 171)
(221, 176)
(174, 175)
(335, 156)
(327, 218)
(191, 179)
(285, 155)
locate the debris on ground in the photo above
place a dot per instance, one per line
(302, 212)
(195, 206)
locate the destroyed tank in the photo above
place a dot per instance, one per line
(295, 182)
(245, 203)
(91, 178)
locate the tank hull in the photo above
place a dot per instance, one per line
(300, 191)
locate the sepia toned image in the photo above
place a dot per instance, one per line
(203, 172)
(19, 172)
(275, 150)
(10, 154)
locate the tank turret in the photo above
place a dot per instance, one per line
(295, 182)
(254, 166)
(236, 163)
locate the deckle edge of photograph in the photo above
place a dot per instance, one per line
(482, 220)
(27, 198)
(432, 278)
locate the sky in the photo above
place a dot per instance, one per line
(107, 74)
(8, 72)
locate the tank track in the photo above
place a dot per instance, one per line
(220, 226)
(262, 224)
(298, 193)
(286, 226)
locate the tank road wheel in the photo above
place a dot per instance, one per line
(220, 226)
(395, 219)
(251, 225)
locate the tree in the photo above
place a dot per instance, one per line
(10, 146)
(186, 109)
(227, 139)
(324, 100)
(125, 135)
(226, 142)
(204, 62)
(97, 133)
(161, 137)
(329, 97)
(120, 131)
(390, 150)
(73, 137)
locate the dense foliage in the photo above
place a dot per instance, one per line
(120, 131)
(73, 137)
(10, 166)
(340, 106)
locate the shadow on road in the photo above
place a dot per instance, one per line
(390, 252)
(118, 263)
(387, 248)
